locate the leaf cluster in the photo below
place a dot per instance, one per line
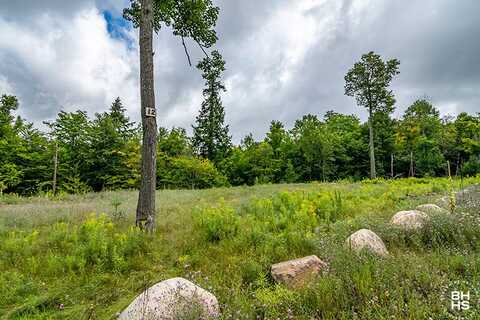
(193, 19)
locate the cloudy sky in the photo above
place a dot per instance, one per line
(285, 58)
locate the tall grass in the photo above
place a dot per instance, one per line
(58, 260)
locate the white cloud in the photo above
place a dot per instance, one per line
(284, 58)
(70, 63)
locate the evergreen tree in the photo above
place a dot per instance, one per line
(210, 134)
(121, 123)
(110, 134)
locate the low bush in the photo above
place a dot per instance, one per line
(227, 244)
(188, 173)
(217, 223)
(69, 248)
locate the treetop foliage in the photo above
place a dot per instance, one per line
(211, 137)
(103, 152)
(193, 19)
(368, 82)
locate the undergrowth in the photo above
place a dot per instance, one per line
(92, 266)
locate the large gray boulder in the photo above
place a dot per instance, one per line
(431, 208)
(365, 239)
(463, 198)
(172, 299)
(410, 220)
(469, 190)
(468, 196)
(297, 272)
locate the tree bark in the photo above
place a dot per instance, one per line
(373, 172)
(145, 218)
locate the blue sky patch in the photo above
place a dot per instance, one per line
(117, 27)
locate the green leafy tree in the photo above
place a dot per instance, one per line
(251, 163)
(174, 143)
(419, 137)
(24, 152)
(368, 82)
(35, 160)
(8, 104)
(10, 176)
(187, 19)
(211, 139)
(314, 148)
(10, 144)
(467, 143)
(236, 167)
(71, 131)
(384, 141)
(349, 151)
(279, 139)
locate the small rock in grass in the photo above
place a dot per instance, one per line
(175, 298)
(410, 220)
(296, 273)
(365, 239)
(430, 208)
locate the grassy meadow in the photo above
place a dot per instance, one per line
(78, 257)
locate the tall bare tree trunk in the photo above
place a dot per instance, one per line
(145, 218)
(373, 172)
(55, 168)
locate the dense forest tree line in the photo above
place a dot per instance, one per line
(104, 152)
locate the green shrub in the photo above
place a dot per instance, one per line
(188, 173)
(276, 302)
(99, 244)
(74, 185)
(217, 223)
(471, 168)
(69, 248)
(95, 267)
(251, 271)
